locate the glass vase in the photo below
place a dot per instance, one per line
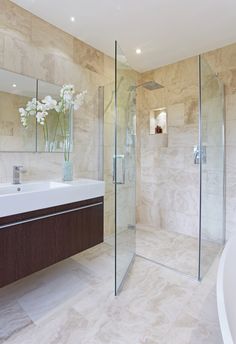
(67, 171)
(47, 145)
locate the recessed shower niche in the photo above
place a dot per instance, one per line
(158, 125)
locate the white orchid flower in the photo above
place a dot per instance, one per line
(24, 121)
(23, 117)
(59, 107)
(39, 106)
(49, 102)
(40, 116)
(79, 99)
(68, 100)
(22, 112)
(70, 89)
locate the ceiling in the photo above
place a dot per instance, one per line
(165, 30)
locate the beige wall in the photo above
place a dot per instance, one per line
(31, 46)
(223, 62)
(109, 150)
(167, 178)
(126, 101)
(13, 136)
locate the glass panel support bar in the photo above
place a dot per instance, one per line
(100, 133)
(200, 165)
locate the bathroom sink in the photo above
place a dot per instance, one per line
(21, 198)
(82, 181)
(29, 187)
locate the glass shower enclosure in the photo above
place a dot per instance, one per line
(119, 165)
(183, 177)
(212, 166)
(124, 169)
(203, 181)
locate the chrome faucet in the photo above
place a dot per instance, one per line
(16, 174)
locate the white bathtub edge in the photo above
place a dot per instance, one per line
(220, 291)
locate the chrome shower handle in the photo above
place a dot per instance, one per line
(197, 154)
(119, 166)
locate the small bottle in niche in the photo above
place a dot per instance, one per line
(158, 130)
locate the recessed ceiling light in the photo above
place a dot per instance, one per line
(72, 19)
(138, 51)
(14, 85)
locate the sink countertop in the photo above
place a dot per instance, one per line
(30, 196)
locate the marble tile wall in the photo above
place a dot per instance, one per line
(126, 101)
(223, 62)
(168, 178)
(33, 47)
(13, 135)
(167, 186)
(109, 151)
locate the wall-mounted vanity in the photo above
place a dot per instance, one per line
(43, 223)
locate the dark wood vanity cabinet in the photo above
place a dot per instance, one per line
(32, 241)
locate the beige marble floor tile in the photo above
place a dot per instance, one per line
(12, 319)
(53, 294)
(73, 302)
(175, 250)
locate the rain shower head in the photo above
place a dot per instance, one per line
(149, 85)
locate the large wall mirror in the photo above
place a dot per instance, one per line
(31, 119)
(15, 91)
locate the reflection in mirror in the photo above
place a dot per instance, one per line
(15, 92)
(54, 133)
(48, 135)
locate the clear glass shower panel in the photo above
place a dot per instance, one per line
(212, 165)
(124, 174)
(107, 93)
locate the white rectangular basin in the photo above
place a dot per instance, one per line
(16, 199)
(29, 187)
